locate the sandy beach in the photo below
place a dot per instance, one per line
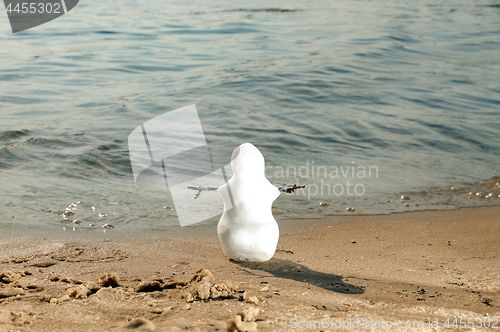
(342, 273)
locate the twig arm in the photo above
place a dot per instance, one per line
(200, 189)
(290, 189)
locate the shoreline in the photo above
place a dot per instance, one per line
(69, 232)
(395, 267)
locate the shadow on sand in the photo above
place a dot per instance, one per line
(284, 269)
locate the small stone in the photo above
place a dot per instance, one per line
(78, 292)
(108, 279)
(67, 214)
(13, 292)
(149, 286)
(249, 314)
(60, 300)
(264, 289)
(54, 277)
(185, 306)
(45, 298)
(244, 321)
(236, 325)
(7, 276)
(405, 198)
(349, 209)
(252, 300)
(34, 287)
(324, 204)
(44, 264)
(188, 297)
(92, 286)
(140, 323)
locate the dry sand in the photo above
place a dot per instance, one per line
(423, 266)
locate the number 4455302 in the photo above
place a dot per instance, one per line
(33, 7)
(472, 323)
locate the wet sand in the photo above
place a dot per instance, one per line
(419, 267)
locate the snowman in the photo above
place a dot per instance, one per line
(247, 229)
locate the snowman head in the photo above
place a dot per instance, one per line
(247, 160)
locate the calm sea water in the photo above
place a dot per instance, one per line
(408, 91)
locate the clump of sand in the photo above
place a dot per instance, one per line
(108, 279)
(6, 276)
(244, 321)
(81, 291)
(249, 299)
(200, 287)
(78, 292)
(10, 284)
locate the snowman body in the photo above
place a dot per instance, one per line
(247, 229)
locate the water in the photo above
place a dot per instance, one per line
(409, 90)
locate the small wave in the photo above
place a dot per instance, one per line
(212, 31)
(8, 158)
(45, 142)
(265, 10)
(106, 32)
(484, 193)
(404, 39)
(102, 161)
(12, 134)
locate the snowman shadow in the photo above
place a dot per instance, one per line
(285, 269)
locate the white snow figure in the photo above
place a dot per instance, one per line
(247, 229)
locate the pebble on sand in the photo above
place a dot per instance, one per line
(60, 299)
(249, 299)
(108, 279)
(244, 321)
(141, 324)
(78, 292)
(6, 276)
